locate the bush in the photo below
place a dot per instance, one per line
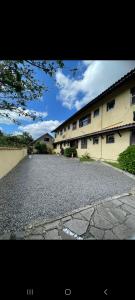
(85, 157)
(126, 159)
(68, 152)
(41, 148)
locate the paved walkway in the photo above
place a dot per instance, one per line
(46, 187)
(110, 219)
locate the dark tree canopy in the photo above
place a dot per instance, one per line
(18, 84)
(21, 140)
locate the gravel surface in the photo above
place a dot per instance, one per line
(46, 187)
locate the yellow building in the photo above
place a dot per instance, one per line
(105, 126)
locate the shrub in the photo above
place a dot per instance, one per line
(41, 148)
(126, 159)
(49, 150)
(68, 152)
(86, 157)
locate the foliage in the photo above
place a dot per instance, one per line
(86, 157)
(126, 159)
(49, 150)
(15, 140)
(68, 152)
(19, 84)
(41, 148)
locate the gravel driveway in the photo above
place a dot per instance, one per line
(48, 186)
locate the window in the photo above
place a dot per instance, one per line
(110, 104)
(110, 138)
(95, 140)
(46, 139)
(55, 146)
(74, 125)
(74, 143)
(84, 143)
(85, 121)
(132, 138)
(68, 127)
(133, 115)
(60, 132)
(64, 128)
(55, 135)
(64, 144)
(96, 112)
(133, 95)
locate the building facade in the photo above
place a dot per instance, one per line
(45, 139)
(105, 126)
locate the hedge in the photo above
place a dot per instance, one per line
(68, 152)
(126, 159)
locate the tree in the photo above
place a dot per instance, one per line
(25, 138)
(41, 148)
(19, 84)
(1, 133)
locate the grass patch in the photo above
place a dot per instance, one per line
(86, 157)
(114, 164)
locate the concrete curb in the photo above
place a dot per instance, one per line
(119, 170)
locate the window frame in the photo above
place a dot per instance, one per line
(74, 125)
(95, 138)
(96, 114)
(108, 103)
(132, 91)
(46, 139)
(84, 145)
(110, 142)
(81, 120)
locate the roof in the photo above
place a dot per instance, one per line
(110, 130)
(130, 75)
(42, 137)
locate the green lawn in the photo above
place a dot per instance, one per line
(114, 164)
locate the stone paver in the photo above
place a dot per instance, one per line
(87, 213)
(46, 187)
(130, 222)
(130, 201)
(52, 235)
(77, 226)
(97, 233)
(129, 209)
(107, 214)
(101, 222)
(39, 230)
(119, 214)
(123, 232)
(35, 237)
(51, 225)
(109, 235)
(78, 216)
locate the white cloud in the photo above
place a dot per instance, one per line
(15, 115)
(97, 76)
(39, 128)
(1, 129)
(17, 133)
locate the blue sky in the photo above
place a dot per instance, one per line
(67, 93)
